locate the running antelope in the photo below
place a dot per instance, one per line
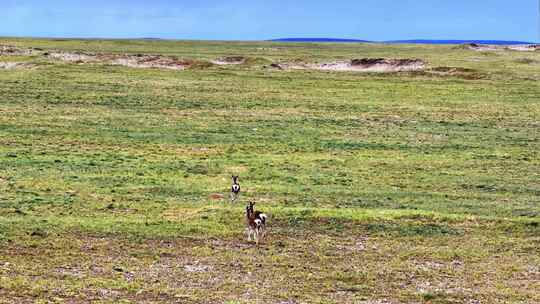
(235, 189)
(256, 223)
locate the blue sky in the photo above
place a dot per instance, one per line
(258, 19)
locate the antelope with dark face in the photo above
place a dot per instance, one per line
(235, 188)
(256, 223)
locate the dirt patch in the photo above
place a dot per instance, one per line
(289, 66)
(9, 50)
(374, 65)
(482, 47)
(360, 65)
(133, 61)
(489, 47)
(525, 48)
(160, 62)
(452, 70)
(230, 60)
(9, 65)
(385, 65)
(14, 65)
(73, 57)
(197, 268)
(276, 66)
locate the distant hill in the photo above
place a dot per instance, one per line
(412, 41)
(317, 40)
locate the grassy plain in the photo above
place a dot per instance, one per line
(411, 187)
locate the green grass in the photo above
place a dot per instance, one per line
(410, 187)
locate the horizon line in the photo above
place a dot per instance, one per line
(282, 39)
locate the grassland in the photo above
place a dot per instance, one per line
(381, 188)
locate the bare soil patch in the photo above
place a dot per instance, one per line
(6, 50)
(445, 69)
(14, 65)
(525, 48)
(145, 61)
(388, 65)
(230, 60)
(489, 47)
(276, 66)
(360, 65)
(133, 61)
(289, 66)
(72, 57)
(482, 47)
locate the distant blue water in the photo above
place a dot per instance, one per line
(413, 41)
(427, 41)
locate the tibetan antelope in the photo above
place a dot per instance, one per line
(235, 188)
(256, 223)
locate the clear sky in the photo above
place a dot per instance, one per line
(258, 19)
